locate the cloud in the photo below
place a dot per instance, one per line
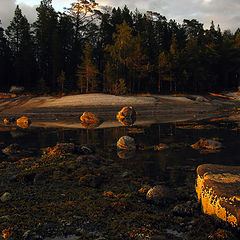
(222, 12)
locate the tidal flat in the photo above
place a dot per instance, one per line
(73, 183)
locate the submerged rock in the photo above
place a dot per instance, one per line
(218, 189)
(127, 116)
(65, 147)
(126, 143)
(23, 122)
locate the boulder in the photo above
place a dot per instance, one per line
(218, 190)
(23, 122)
(126, 143)
(127, 116)
(89, 120)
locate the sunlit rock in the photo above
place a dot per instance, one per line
(159, 193)
(6, 197)
(207, 144)
(89, 120)
(23, 122)
(126, 143)
(218, 190)
(127, 116)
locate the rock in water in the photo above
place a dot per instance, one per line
(126, 143)
(127, 116)
(23, 122)
(89, 120)
(218, 190)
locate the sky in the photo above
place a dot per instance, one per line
(222, 12)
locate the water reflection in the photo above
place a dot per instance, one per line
(145, 161)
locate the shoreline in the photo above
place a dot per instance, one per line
(65, 110)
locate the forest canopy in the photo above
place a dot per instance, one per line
(90, 49)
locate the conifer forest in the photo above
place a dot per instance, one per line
(114, 50)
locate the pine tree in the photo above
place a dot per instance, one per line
(21, 44)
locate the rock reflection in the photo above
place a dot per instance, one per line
(124, 154)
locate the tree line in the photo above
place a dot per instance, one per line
(117, 51)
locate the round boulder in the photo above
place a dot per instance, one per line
(126, 143)
(127, 116)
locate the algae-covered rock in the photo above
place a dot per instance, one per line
(218, 190)
(127, 116)
(89, 120)
(23, 122)
(126, 143)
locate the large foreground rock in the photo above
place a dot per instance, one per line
(218, 189)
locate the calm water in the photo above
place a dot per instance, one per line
(172, 164)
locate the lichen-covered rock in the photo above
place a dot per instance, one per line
(89, 120)
(12, 149)
(126, 143)
(207, 145)
(127, 116)
(159, 193)
(218, 189)
(23, 122)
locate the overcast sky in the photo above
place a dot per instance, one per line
(226, 13)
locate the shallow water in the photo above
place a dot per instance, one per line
(145, 161)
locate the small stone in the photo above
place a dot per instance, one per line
(6, 197)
